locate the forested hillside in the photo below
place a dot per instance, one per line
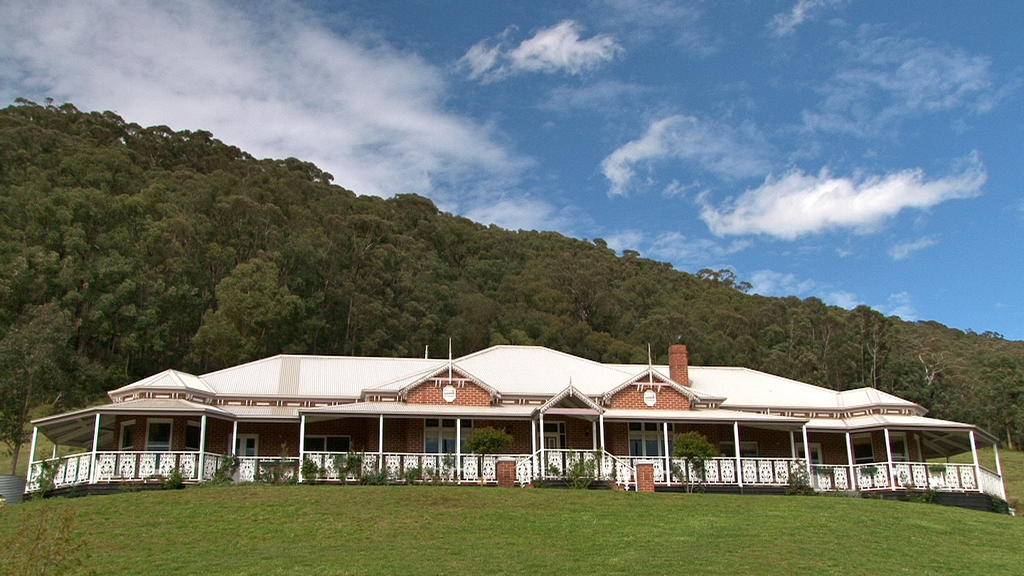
(127, 250)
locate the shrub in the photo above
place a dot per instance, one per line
(695, 449)
(174, 481)
(581, 472)
(489, 440)
(310, 470)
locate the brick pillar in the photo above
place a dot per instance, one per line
(679, 364)
(645, 477)
(506, 472)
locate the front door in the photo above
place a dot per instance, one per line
(247, 445)
(554, 435)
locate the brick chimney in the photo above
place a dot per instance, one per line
(679, 364)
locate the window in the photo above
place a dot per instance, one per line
(439, 435)
(247, 445)
(193, 431)
(645, 439)
(748, 449)
(128, 435)
(815, 452)
(898, 445)
(158, 435)
(554, 435)
(326, 443)
(863, 449)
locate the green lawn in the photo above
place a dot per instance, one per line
(438, 529)
(1013, 471)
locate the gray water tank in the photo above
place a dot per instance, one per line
(12, 488)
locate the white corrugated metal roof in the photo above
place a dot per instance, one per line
(140, 406)
(314, 376)
(443, 410)
(510, 370)
(708, 415)
(542, 371)
(169, 380)
(884, 420)
(743, 387)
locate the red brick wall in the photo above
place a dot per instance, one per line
(468, 394)
(275, 437)
(632, 398)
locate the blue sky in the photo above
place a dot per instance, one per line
(860, 152)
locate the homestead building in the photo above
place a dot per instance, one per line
(409, 420)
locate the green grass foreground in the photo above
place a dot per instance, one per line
(443, 530)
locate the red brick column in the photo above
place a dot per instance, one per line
(506, 472)
(645, 477)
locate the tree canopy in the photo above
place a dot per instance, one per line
(159, 249)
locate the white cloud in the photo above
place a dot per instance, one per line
(608, 96)
(711, 146)
(518, 213)
(900, 304)
(785, 23)
(772, 283)
(675, 247)
(783, 284)
(843, 299)
(551, 50)
(887, 78)
(903, 250)
(626, 240)
(276, 83)
(663, 21)
(798, 204)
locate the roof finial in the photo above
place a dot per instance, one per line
(650, 365)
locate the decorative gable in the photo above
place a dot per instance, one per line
(459, 390)
(645, 395)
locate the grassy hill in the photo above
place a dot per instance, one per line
(433, 530)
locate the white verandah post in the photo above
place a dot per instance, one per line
(234, 438)
(807, 451)
(999, 471)
(668, 457)
(95, 448)
(533, 448)
(974, 455)
(792, 445)
(380, 445)
(593, 435)
(541, 434)
(888, 458)
(736, 452)
(32, 455)
(600, 426)
(458, 450)
(302, 444)
(849, 460)
(201, 475)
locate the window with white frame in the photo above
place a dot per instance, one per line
(816, 457)
(158, 435)
(863, 449)
(193, 435)
(128, 435)
(899, 446)
(327, 443)
(439, 435)
(554, 435)
(646, 439)
(748, 449)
